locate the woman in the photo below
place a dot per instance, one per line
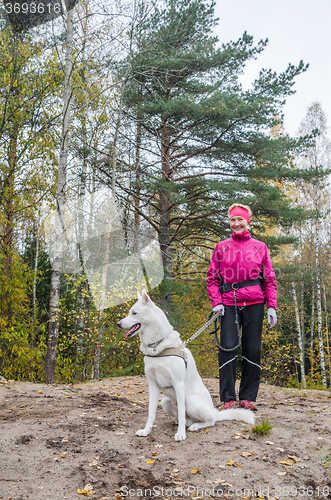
(236, 291)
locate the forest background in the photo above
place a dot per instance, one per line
(138, 100)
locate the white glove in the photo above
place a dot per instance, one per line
(272, 317)
(219, 307)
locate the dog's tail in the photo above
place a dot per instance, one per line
(236, 414)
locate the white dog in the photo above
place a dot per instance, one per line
(170, 367)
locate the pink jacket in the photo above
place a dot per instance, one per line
(241, 258)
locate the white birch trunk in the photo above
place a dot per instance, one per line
(312, 326)
(54, 312)
(319, 319)
(327, 330)
(300, 338)
(302, 312)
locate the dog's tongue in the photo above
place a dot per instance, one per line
(132, 330)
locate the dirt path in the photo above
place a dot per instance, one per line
(57, 440)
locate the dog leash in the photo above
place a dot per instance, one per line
(216, 328)
(213, 318)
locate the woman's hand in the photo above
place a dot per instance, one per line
(219, 307)
(272, 317)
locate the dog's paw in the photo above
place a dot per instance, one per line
(194, 427)
(179, 436)
(142, 432)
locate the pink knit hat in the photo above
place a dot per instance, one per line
(240, 212)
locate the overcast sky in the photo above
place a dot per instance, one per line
(296, 29)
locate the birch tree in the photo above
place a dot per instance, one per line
(316, 198)
(54, 310)
(326, 319)
(300, 337)
(312, 325)
(319, 317)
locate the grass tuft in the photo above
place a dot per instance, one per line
(263, 428)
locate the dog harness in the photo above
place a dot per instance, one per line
(173, 351)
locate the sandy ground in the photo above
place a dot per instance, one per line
(64, 442)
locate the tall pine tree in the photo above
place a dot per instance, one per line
(206, 141)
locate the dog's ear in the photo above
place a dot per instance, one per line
(138, 295)
(145, 297)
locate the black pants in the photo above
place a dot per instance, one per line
(250, 319)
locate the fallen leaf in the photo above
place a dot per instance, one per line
(281, 473)
(175, 470)
(64, 456)
(230, 462)
(155, 453)
(159, 446)
(246, 454)
(194, 471)
(292, 457)
(286, 462)
(88, 490)
(150, 461)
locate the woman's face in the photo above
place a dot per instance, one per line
(238, 224)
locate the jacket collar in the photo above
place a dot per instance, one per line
(242, 236)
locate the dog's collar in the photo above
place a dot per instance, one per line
(155, 344)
